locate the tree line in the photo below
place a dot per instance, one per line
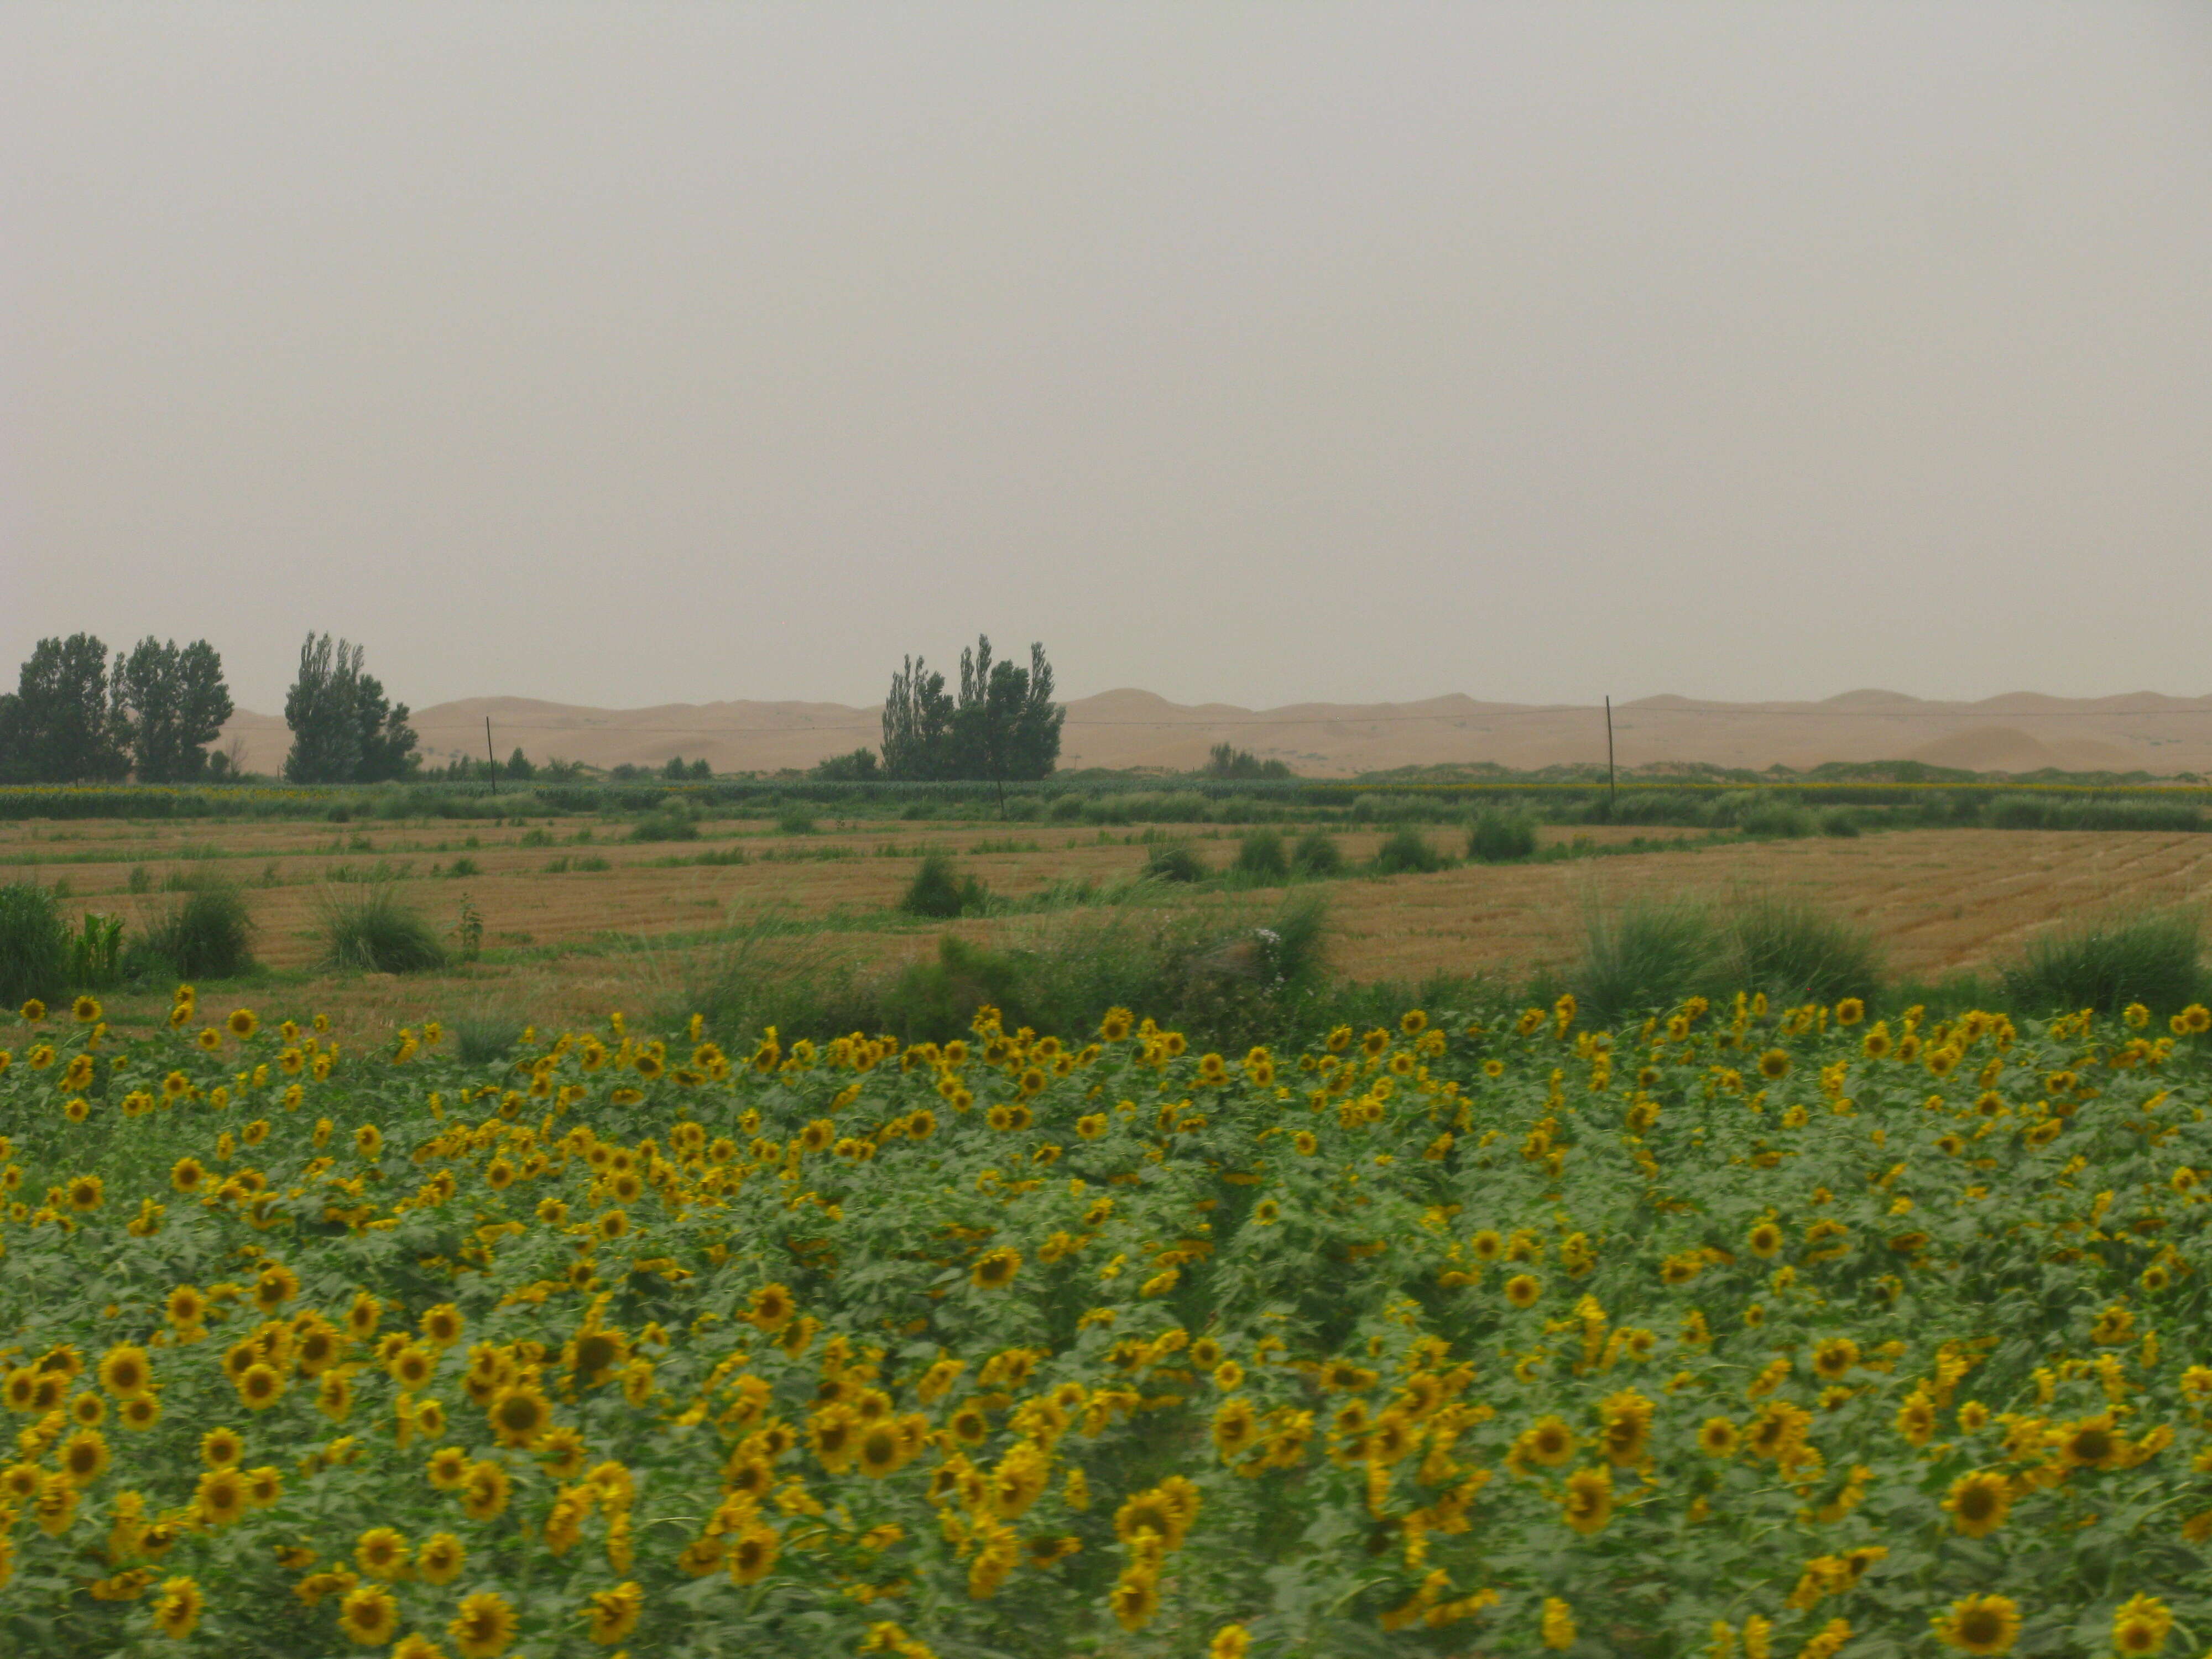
(82, 714)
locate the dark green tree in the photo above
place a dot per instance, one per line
(172, 703)
(343, 728)
(518, 766)
(1003, 726)
(63, 723)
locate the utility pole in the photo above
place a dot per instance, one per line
(1611, 788)
(491, 755)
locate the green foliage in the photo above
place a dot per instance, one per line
(936, 890)
(173, 703)
(664, 826)
(1501, 838)
(1260, 855)
(2152, 957)
(1175, 861)
(1005, 726)
(1227, 761)
(64, 722)
(95, 952)
(1407, 852)
(207, 934)
(795, 821)
(1797, 953)
(371, 929)
(344, 730)
(1643, 957)
(1317, 856)
(33, 945)
(1840, 823)
(857, 766)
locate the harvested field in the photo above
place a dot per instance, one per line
(564, 937)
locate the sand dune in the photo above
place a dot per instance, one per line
(2019, 731)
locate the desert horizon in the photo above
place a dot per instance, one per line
(1132, 729)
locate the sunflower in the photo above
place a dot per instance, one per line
(1547, 1442)
(264, 1486)
(1522, 1290)
(996, 1269)
(84, 1457)
(2140, 1624)
(1978, 1502)
(483, 1626)
(484, 1490)
(2090, 1443)
(84, 1192)
(519, 1417)
(221, 1498)
(1588, 1503)
(242, 1023)
(1719, 1438)
(1980, 1624)
(221, 1448)
(382, 1552)
(1136, 1600)
(260, 1386)
(412, 1367)
(612, 1614)
(142, 1413)
(752, 1552)
(33, 1012)
(448, 1468)
(126, 1372)
(273, 1286)
(881, 1450)
(1834, 1358)
(177, 1609)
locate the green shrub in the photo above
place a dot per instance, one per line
(208, 934)
(794, 822)
(936, 891)
(1317, 856)
(95, 952)
(664, 826)
(1796, 954)
(371, 929)
(1406, 852)
(33, 945)
(1260, 855)
(2151, 957)
(464, 866)
(1065, 809)
(1840, 824)
(1501, 838)
(483, 1036)
(1776, 820)
(1643, 958)
(1176, 862)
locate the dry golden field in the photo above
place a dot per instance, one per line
(563, 942)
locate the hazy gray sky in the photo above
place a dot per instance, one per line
(626, 354)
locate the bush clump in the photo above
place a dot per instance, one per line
(936, 890)
(208, 934)
(33, 945)
(372, 929)
(1260, 855)
(1317, 856)
(1501, 838)
(1176, 862)
(1646, 956)
(1407, 852)
(2152, 957)
(1797, 953)
(664, 826)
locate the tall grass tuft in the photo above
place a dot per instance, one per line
(1261, 857)
(1797, 953)
(371, 929)
(206, 934)
(1643, 957)
(1406, 852)
(935, 891)
(1501, 838)
(2152, 957)
(33, 945)
(1176, 862)
(1317, 854)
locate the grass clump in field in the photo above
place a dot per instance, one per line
(33, 945)
(938, 891)
(664, 826)
(1261, 857)
(1406, 852)
(1176, 862)
(1317, 856)
(1797, 953)
(1501, 838)
(2155, 957)
(207, 934)
(1645, 955)
(374, 930)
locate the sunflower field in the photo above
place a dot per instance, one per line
(1757, 1332)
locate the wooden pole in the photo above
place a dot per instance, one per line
(1611, 788)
